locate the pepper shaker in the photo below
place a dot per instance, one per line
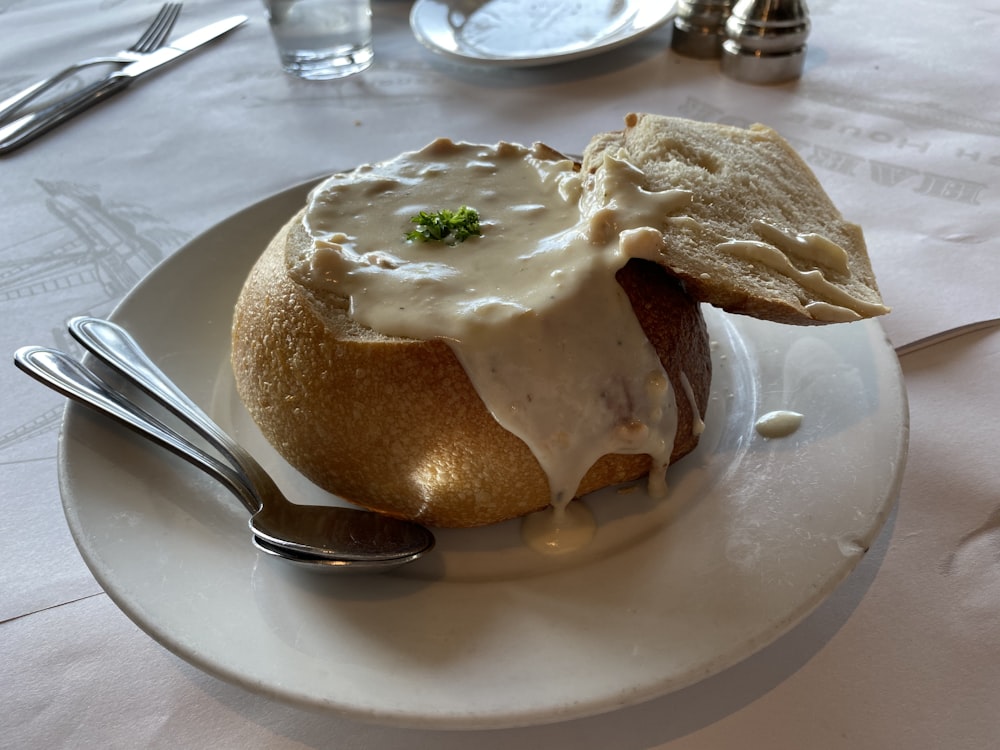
(766, 40)
(699, 27)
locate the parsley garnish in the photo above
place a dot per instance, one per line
(445, 226)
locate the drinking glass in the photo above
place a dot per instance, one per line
(322, 39)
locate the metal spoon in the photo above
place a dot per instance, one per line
(333, 538)
(324, 538)
(342, 533)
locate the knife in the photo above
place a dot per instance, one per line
(31, 126)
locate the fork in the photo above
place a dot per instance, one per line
(951, 333)
(152, 39)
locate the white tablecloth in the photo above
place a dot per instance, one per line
(898, 112)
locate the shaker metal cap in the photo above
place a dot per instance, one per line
(766, 40)
(699, 27)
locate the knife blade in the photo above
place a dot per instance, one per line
(29, 127)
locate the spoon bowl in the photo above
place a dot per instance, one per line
(347, 535)
(329, 564)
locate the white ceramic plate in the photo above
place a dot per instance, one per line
(525, 33)
(482, 632)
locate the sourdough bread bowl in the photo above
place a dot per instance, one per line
(394, 423)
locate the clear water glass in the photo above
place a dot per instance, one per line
(322, 39)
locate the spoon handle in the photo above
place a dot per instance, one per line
(114, 346)
(72, 379)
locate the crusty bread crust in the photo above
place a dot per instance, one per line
(395, 425)
(737, 176)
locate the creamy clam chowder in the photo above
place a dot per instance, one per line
(530, 307)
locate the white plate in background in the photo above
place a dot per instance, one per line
(522, 33)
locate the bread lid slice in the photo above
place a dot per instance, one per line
(760, 235)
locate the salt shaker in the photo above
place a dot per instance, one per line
(699, 27)
(766, 40)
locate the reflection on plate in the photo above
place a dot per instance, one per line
(482, 633)
(531, 32)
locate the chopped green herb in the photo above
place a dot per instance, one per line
(445, 226)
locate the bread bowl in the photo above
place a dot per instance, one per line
(409, 413)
